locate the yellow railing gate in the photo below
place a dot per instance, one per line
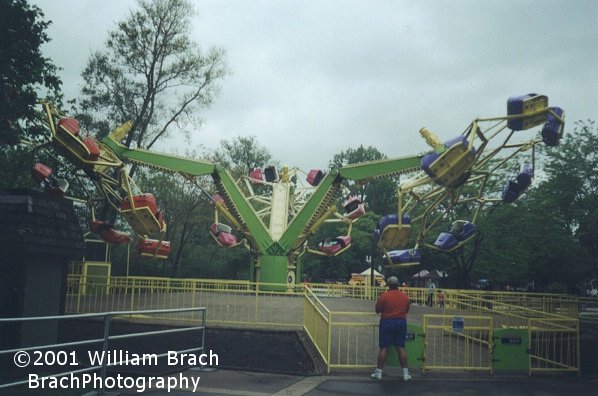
(553, 345)
(457, 342)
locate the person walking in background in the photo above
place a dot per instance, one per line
(431, 290)
(440, 298)
(393, 306)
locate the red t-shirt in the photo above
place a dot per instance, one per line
(393, 304)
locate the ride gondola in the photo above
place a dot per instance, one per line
(142, 214)
(515, 187)
(153, 248)
(354, 207)
(107, 233)
(401, 258)
(315, 176)
(336, 246)
(553, 128)
(223, 235)
(449, 163)
(391, 233)
(461, 231)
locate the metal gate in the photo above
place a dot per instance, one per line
(457, 342)
(553, 345)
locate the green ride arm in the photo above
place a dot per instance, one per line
(370, 170)
(290, 238)
(250, 219)
(163, 161)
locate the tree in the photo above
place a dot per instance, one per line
(571, 192)
(24, 74)
(241, 155)
(151, 73)
(23, 70)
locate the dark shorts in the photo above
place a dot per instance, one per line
(392, 332)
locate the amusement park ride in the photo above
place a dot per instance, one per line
(294, 213)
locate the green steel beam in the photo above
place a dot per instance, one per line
(163, 161)
(252, 221)
(388, 167)
(306, 213)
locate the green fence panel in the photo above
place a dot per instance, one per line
(414, 346)
(510, 349)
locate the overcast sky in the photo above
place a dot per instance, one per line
(313, 78)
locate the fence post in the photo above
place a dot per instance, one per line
(529, 347)
(257, 286)
(105, 351)
(133, 295)
(329, 336)
(79, 291)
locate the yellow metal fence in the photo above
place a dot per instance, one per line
(227, 302)
(454, 342)
(347, 337)
(554, 345)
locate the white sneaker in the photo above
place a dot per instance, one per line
(406, 377)
(377, 374)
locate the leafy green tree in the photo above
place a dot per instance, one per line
(24, 71)
(24, 75)
(570, 194)
(152, 73)
(241, 155)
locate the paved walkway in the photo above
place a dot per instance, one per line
(225, 382)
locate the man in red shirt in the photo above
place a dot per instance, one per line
(393, 307)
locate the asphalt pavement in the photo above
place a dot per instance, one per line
(358, 382)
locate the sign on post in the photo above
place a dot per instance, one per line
(458, 324)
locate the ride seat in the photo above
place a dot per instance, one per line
(391, 234)
(461, 232)
(315, 176)
(51, 184)
(107, 233)
(523, 105)
(335, 246)
(354, 208)
(92, 147)
(271, 174)
(514, 188)
(153, 248)
(552, 131)
(256, 175)
(401, 258)
(222, 234)
(143, 215)
(449, 165)
(67, 134)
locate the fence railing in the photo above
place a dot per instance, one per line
(67, 356)
(316, 323)
(343, 338)
(554, 345)
(588, 309)
(239, 303)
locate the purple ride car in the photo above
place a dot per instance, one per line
(514, 188)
